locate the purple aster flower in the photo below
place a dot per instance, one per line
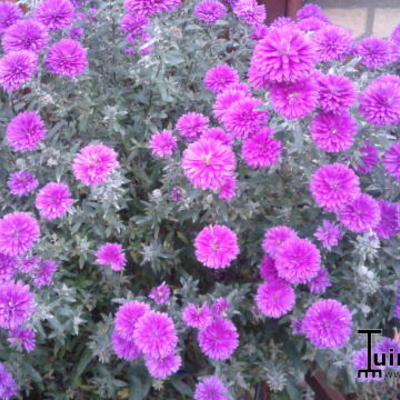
(150, 7)
(360, 361)
(53, 200)
(10, 13)
(55, 14)
(16, 304)
(176, 194)
(310, 24)
(28, 265)
(155, 334)
(18, 232)
(160, 294)
(216, 246)
(219, 340)
(320, 283)
(127, 316)
(77, 33)
(211, 388)
(334, 185)
(297, 261)
(225, 100)
(163, 367)
(208, 163)
(369, 159)
(361, 214)
(7, 267)
(26, 34)
(332, 42)
(295, 100)
(197, 317)
(261, 150)
(275, 298)
(374, 52)
(391, 161)
(249, 12)
(111, 254)
(274, 238)
(134, 24)
(25, 131)
(267, 269)
(44, 274)
(259, 32)
(209, 11)
(327, 324)
(333, 132)
(243, 118)
(124, 348)
(328, 234)
(94, 163)
(388, 346)
(312, 10)
(67, 57)
(285, 54)
(388, 225)
(227, 190)
(217, 134)
(192, 125)
(16, 68)
(336, 93)
(163, 143)
(8, 387)
(23, 339)
(217, 79)
(219, 306)
(380, 101)
(21, 183)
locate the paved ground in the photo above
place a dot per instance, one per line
(363, 17)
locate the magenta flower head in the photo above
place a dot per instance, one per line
(220, 305)
(94, 163)
(55, 14)
(360, 361)
(219, 340)
(310, 24)
(197, 317)
(336, 93)
(16, 68)
(25, 131)
(217, 134)
(388, 225)
(274, 238)
(320, 283)
(53, 200)
(8, 387)
(261, 150)
(22, 339)
(211, 388)
(333, 185)
(267, 269)
(333, 132)
(44, 274)
(244, 118)
(258, 32)
(285, 54)
(312, 10)
(16, 304)
(163, 367)
(297, 261)
(216, 246)
(294, 100)
(26, 34)
(275, 298)
(208, 163)
(368, 160)
(134, 24)
(217, 79)
(361, 214)
(327, 324)
(160, 294)
(67, 57)
(227, 190)
(250, 12)
(332, 42)
(391, 161)
(192, 125)
(155, 334)
(22, 183)
(10, 13)
(328, 234)
(124, 348)
(163, 143)
(374, 52)
(111, 254)
(18, 232)
(127, 316)
(380, 101)
(225, 100)
(8, 268)
(28, 265)
(150, 7)
(209, 11)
